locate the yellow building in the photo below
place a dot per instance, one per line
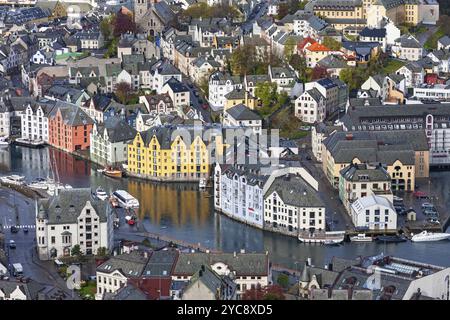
(341, 13)
(169, 154)
(236, 97)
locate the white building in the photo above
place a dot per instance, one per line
(109, 140)
(310, 106)
(238, 193)
(5, 126)
(219, 85)
(414, 74)
(407, 47)
(72, 217)
(308, 25)
(34, 122)
(242, 116)
(178, 92)
(374, 212)
(292, 204)
(440, 92)
(161, 72)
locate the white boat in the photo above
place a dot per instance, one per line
(329, 237)
(101, 194)
(3, 142)
(430, 236)
(361, 237)
(101, 170)
(202, 183)
(125, 199)
(42, 185)
(13, 179)
(53, 186)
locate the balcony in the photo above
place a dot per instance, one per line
(381, 191)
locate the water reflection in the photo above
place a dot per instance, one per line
(180, 211)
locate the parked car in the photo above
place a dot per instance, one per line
(308, 158)
(433, 220)
(12, 244)
(420, 195)
(205, 106)
(14, 229)
(427, 205)
(196, 93)
(25, 230)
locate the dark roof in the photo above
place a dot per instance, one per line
(176, 85)
(295, 191)
(373, 33)
(242, 112)
(364, 172)
(68, 204)
(72, 115)
(244, 264)
(117, 129)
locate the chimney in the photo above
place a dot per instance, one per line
(308, 262)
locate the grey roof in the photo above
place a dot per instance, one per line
(176, 86)
(242, 112)
(164, 67)
(364, 172)
(315, 95)
(445, 41)
(130, 264)
(30, 289)
(160, 263)
(332, 62)
(72, 115)
(163, 11)
(357, 117)
(359, 102)
(376, 146)
(295, 191)
(276, 72)
(209, 278)
(376, 33)
(408, 41)
(117, 129)
(340, 264)
(128, 292)
(67, 205)
(244, 264)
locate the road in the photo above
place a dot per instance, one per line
(423, 37)
(197, 101)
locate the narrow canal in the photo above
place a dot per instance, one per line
(182, 212)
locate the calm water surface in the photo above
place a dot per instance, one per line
(180, 211)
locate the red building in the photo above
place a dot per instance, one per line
(69, 127)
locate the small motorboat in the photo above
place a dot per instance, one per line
(131, 220)
(101, 194)
(113, 173)
(3, 142)
(41, 185)
(13, 179)
(391, 239)
(426, 236)
(202, 183)
(361, 237)
(101, 170)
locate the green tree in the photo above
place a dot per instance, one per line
(267, 93)
(243, 60)
(331, 43)
(298, 62)
(107, 26)
(102, 252)
(123, 92)
(111, 48)
(283, 280)
(289, 48)
(76, 251)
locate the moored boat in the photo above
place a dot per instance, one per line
(202, 183)
(329, 237)
(125, 199)
(361, 237)
(426, 236)
(3, 142)
(113, 173)
(391, 239)
(101, 194)
(13, 179)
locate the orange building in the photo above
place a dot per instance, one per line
(69, 127)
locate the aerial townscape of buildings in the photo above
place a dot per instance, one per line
(320, 122)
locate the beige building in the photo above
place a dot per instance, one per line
(403, 154)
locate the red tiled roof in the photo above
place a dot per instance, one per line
(301, 45)
(317, 47)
